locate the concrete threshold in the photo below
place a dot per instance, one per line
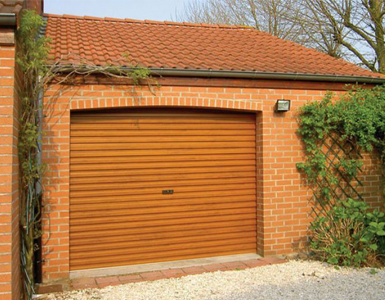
(178, 264)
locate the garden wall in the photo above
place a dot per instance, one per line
(9, 169)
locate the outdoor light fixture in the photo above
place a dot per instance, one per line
(282, 105)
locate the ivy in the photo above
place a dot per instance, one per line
(357, 117)
(356, 123)
(32, 53)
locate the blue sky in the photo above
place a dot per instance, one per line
(159, 10)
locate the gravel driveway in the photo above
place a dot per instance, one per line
(291, 280)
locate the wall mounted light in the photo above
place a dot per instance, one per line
(282, 105)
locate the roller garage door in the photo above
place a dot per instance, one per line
(159, 185)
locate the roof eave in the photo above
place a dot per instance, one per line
(263, 75)
(248, 75)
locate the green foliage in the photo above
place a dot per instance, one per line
(348, 234)
(33, 49)
(358, 117)
(31, 59)
(32, 54)
(344, 231)
(138, 74)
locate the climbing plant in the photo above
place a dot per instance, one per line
(32, 53)
(35, 74)
(345, 230)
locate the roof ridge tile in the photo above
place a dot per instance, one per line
(173, 23)
(113, 19)
(133, 21)
(128, 20)
(154, 22)
(72, 17)
(191, 24)
(208, 25)
(92, 18)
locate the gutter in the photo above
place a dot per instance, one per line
(260, 75)
(236, 74)
(38, 253)
(8, 19)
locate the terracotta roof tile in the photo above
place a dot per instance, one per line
(172, 45)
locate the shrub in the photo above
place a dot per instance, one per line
(349, 234)
(345, 232)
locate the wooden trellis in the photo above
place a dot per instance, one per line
(336, 185)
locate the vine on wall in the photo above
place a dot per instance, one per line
(35, 74)
(358, 117)
(32, 53)
(345, 230)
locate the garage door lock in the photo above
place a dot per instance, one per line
(165, 192)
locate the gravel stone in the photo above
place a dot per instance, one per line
(306, 280)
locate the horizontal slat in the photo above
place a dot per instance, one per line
(164, 177)
(159, 165)
(140, 172)
(180, 127)
(111, 252)
(162, 202)
(161, 139)
(175, 132)
(174, 184)
(81, 237)
(172, 119)
(175, 145)
(121, 260)
(166, 233)
(158, 190)
(104, 153)
(159, 210)
(188, 195)
(163, 241)
(165, 219)
(161, 158)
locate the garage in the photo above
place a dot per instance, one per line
(186, 164)
(157, 184)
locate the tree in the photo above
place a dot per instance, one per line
(278, 17)
(355, 28)
(352, 29)
(320, 35)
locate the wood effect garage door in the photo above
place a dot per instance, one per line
(123, 163)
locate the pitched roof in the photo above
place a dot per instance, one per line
(170, 45)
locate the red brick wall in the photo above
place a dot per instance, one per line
(37, 5)
(9, 206)
(282, 197)
(371, 177)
